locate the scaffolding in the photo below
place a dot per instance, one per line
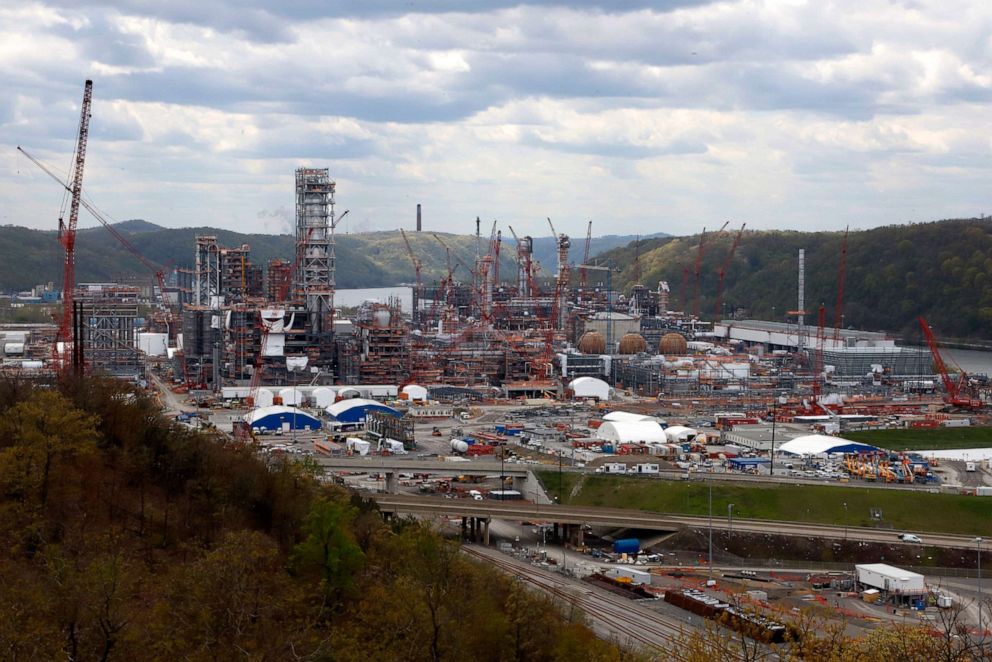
(314, 277)
(108, 332)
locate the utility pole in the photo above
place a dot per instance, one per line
(774, 419)
(710, 480)
(979, 541)
(730, 520)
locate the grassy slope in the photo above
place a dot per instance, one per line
(924, 439)
(915, 511)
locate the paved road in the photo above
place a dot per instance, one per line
(170, 400)
(638, 519)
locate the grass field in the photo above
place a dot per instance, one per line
(914, 511)
(924, 439)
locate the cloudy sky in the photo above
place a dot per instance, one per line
(641, 116)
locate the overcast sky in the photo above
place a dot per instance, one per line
(663, 116)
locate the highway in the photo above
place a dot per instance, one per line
(639, 519)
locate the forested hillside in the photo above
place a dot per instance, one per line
(125, 537)
(368, 259)
(942, 270)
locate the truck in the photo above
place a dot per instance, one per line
(627, 546)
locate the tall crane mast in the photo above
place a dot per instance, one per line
(723, 270)
(583, 274)
(954, 396)
(418, 285)
(698, 269)
(841, 276)
(67, 230)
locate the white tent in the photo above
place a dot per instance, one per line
(590, 387)
(680, 433)
(622, 432)
(291, 397)
(323, 397)
(821, 444)
(415, 393)
(628, 417)
(349, 392)
(264, 398)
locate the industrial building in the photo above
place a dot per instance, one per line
(900, 586)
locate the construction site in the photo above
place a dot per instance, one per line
(226, 326)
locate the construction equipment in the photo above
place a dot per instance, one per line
(723, 270)
(67, 233)
(956, 390)
(698, 270)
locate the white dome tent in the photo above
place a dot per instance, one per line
(590, 387)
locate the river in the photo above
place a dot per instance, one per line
(354, 298)
(970, 360)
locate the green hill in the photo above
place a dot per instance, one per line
(367, 259)
(940, 270)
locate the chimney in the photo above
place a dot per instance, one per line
(418, 217)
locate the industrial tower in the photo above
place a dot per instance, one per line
(314, 277)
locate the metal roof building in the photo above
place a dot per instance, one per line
(279, 417)
(354, 410)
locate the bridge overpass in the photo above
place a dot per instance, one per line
(393, 465)
(573, 517)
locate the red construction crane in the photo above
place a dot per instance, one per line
(157, 271)
(841, 276)
(723, 270)
(67, 231)
(698, 270)
(955, 390)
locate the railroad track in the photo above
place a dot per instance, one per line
(610, 614)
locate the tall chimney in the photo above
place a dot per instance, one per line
(418, 217)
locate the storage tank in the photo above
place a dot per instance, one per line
(633, 343)
(627, 546)
(672, 343)
(381, 318)
(31, 365)
(592, 342)
(459, 445)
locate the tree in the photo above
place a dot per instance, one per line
(329, 546)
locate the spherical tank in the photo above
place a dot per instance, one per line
(381, 318)
(592, 342)
(672, 343)
(633, 343)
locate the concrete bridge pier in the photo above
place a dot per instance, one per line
(392, 484)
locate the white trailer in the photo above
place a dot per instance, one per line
(648, 468)
(892, 580)
(627, 573)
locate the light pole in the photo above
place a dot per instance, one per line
(845, 520)
(730, 520)
(774, 419)
(710, 481)
(979, 542)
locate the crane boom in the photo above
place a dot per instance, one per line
(954, 396)
(67, 231)
(583, 274)
(723, 269)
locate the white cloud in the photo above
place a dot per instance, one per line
(784, 114)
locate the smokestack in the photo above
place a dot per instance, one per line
(418, 217)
